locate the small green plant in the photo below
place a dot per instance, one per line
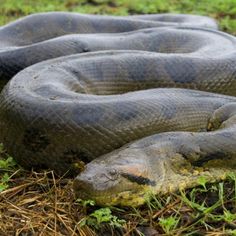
(102, 215)
(7, 164)
(168, 224)
(229, 217)
(232, 176)
(202, 181)
(85, 203)
(4, 182)
(231, 232)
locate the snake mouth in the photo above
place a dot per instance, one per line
(126, 189)
(130, 197)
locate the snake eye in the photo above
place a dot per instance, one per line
(113, 172)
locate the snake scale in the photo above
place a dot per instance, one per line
(127, 102)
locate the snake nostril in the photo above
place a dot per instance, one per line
(86, 49)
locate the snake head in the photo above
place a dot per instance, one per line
(119, 178)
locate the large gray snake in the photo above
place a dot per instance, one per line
(119, 96)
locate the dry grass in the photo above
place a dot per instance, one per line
(40, 204)
(44, 204)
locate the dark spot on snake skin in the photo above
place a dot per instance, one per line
(95, 114)
(35, 140)
(8, 66)
(79, 46)
(127, 115)
(138, 179)
(212, 156)
(45, 91)
(136, 73)
(184, 73)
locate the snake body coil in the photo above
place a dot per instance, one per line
(67, 111)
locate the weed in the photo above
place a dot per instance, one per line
(228, 216)
(100, 216)
(85, 203)
(168, 224)
(7, 164)
(202, 181)
(4, 182)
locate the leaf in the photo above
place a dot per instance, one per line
(202, 181)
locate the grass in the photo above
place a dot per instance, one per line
(43, 204)
(222, 10)
(33, 203)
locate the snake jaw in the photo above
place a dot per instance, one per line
(122, 191)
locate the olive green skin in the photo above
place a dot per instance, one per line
(65, 112)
